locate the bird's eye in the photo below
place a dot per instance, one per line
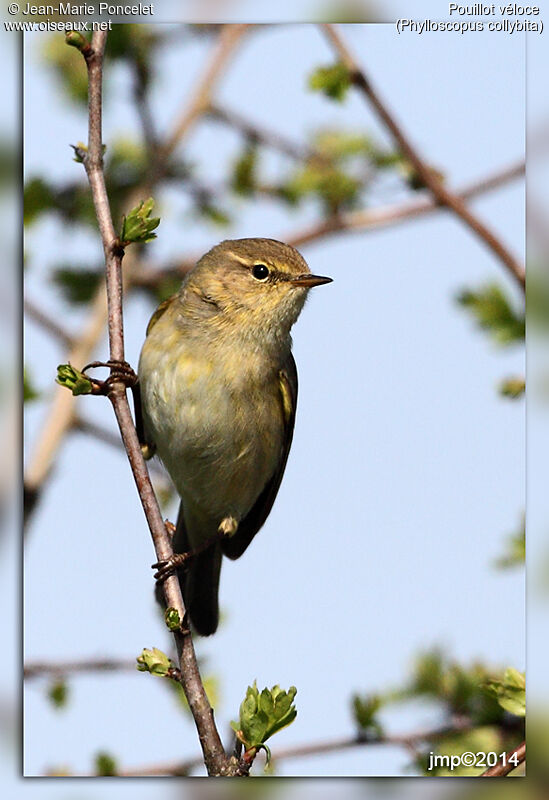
(260, 272)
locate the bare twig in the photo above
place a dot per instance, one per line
(406, 740)
(428, 177)
(37, 669)
(214, 755)
(255, 132)
(229, 38)
(503, 769)
(36, 314)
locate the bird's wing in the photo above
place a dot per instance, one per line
(234, 546)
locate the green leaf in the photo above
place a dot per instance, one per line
(264, 714)
(512, 388)
(365, 709)
(154, 661)
(58, 693)
(72, 379)
(105, 764)
(78, 285)
(335, 188)
(29, 392)
(38, 197)
(515, 554)
(138, 225)
(243, 179)
(510, 692)
(334, 81)
(494, 313)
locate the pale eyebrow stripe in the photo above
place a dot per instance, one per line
(238, 258)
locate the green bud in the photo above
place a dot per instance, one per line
(105, 764)
(172, 618)
(74, 380)
(512, 387)
(75, 39)
(58, 694)
(333, 81)
(138, 225)
(154, 661)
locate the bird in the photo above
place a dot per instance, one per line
(218, 386)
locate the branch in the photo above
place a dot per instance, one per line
(352, 221)
(46, 322)
(406, 740)
(501, 770)
(428, 177)
(268, 138)
(214, 755)
(37, 669)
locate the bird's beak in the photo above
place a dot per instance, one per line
(307, 280)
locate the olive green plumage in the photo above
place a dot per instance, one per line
(219, 393)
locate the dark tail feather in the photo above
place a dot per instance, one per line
(199, 581)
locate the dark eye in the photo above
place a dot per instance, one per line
(260, 272)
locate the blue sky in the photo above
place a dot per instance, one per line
(413, 466)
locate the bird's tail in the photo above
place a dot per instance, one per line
(199, 580)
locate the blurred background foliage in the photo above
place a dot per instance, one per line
(333, 171)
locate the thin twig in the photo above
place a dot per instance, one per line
(255, 132)
(214, 755)
(503, 769)
(312, 749)
(37, 669)
(36, 314)
(428, 177)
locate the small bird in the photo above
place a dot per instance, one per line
(218, 386)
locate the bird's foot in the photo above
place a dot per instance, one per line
(168, 566)
(121, 372)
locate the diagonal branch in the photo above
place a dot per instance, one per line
(349, 222)
(214, 755)
(428, 177)
(518, 754)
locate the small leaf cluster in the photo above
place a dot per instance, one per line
(343, 165)
(333, 81)
(480, 697)
(72, 379)
(138, 225)
(243, 179)
(510, 691)
(494, 313)
(154, 661)
(512, 388)
(262, 714)
(58, 693)
(365, 710)
(105, 764)
(515, 554)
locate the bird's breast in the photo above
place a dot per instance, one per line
(216, 419)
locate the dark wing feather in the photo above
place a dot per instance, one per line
(234, 546)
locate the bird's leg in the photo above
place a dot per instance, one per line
(227, 527)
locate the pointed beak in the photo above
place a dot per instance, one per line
(308, 281)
